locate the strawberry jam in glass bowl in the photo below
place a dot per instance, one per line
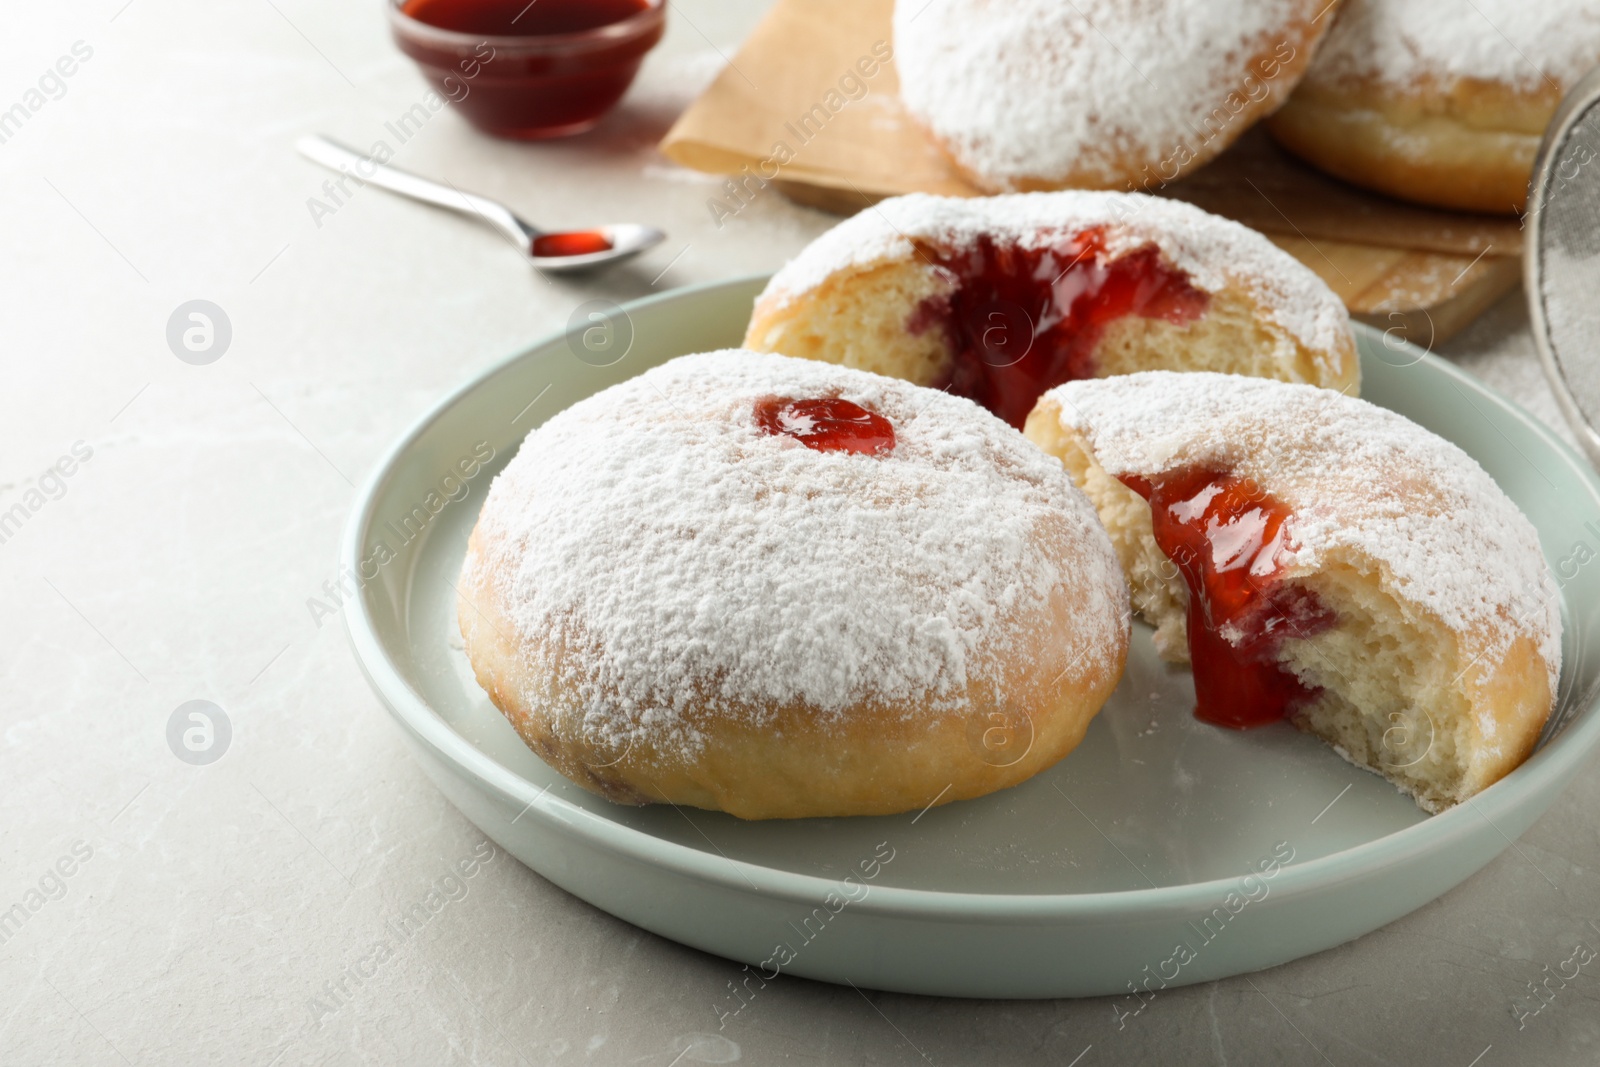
(528, 70)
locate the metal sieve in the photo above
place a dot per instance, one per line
(1562, 263)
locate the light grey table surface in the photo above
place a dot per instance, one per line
(230, 913)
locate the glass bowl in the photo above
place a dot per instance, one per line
(533, 86)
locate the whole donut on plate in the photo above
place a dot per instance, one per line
(784, 588)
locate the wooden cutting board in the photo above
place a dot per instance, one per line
(809, 105)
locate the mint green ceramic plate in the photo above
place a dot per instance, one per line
(1245, 849)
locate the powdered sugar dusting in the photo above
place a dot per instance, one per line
(1357, 476)
(1214, 252)
(688, 561)
(1021, 89)
(1399, 42)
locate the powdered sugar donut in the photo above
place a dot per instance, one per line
(782, 588)
(1440, 102)
(1000, 298)
(1097, 94)
(1315, 556)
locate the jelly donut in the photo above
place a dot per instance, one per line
(1319, 558)
(1001, 298)
(783, 588)
(1439, 102)
(1025, 95)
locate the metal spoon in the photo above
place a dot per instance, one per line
(626, 239)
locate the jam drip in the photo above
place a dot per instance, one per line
(826, 425)
(1024, 320)
(1225, 535)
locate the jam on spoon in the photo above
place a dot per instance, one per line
(572, 243)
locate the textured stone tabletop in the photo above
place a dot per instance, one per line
(176, 542)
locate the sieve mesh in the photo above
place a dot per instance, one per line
(1566, 239)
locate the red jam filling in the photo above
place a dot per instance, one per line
(827, 425)
(575, 243)
(1226, 535)
(1024, 320)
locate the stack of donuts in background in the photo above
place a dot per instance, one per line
(1440, 102)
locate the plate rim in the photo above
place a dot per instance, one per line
(1555, 761)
